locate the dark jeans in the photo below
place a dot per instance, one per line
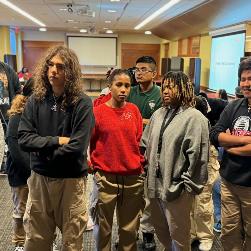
(217, 200)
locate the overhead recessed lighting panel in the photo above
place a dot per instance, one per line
(111, 11)
(109, 31)
(157, 13)
(148, 32)
(42, 29)
(22, 12)
(108, 21)
(83, 30)
(115, 0)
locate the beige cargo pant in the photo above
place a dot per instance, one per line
(55, 202)
(202, 215)
(235, 217)
(126, 194)
(19, 198)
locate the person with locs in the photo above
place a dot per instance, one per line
(177, 151)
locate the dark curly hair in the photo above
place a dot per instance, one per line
(184, 93)
(72, 87)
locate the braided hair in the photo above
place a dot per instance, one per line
(184, 89)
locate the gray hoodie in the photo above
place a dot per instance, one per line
(184, 155)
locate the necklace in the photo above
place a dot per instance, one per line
(54, 107)
(249, 107)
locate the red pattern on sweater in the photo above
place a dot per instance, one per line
(115, 140)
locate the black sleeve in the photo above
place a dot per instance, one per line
(28, 138)
(19, 157)
(83, 123)
(222, 125)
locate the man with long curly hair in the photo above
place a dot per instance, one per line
(55, 128)
(177, 144)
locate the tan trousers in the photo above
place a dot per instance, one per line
(19, 198)
(236, 217)
(202, 215)
(55, 202)
(126, 194)
(145, 222)
(171, 221)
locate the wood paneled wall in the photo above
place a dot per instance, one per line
(33, 50)
(131, 52)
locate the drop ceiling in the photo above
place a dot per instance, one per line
(187, 17)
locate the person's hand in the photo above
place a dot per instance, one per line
(63, 140)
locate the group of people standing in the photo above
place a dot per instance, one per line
(149, 151)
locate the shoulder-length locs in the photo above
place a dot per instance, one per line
(72, 87)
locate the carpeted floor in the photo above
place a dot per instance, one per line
(6, 225)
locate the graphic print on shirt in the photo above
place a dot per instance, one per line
(151, 104)
(126, 116)
(242, 126)
(4, 92)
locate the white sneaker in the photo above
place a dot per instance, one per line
(90, 224)
(55, 247)
(19, 249)
(205, 245)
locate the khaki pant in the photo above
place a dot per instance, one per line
(145, 222)
(55, 202)
(126, 194)
(236, 217)
(19, 197)
(202, 216)
(171, 221)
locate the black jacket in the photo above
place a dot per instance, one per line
(40, 128)
(14, 85)
(234, 168)
(18, 161)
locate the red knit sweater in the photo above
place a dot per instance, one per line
(115, 140)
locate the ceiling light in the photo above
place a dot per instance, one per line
(83, 30)
(148, 32)
(112, 11)
(63, 9)
(109, 31)
(22, 12)
(108, 21)
(105, 28)
(115, 0)
(157, 13)
(42, 29)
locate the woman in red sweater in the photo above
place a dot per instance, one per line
(118, 164)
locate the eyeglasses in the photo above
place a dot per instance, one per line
(60, 67)
(141, 70)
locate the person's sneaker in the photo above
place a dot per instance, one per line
(217, 227)
(148, 242)
(205, 245)
(90, 224)
(55, 247)
(19, 248)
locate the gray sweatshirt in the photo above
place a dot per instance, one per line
(184, 155)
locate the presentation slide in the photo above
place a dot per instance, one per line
(226, 52)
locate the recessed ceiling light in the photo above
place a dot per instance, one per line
(157, 13)
(105, 28)
(83, 30)
(70, 20)
(109, 31)
(115, 0)
(148, 32)
(63, 9)
(108, 21)
(111, 11)
(22, 12)
(42, 29)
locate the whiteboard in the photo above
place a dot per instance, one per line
(94, 51)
